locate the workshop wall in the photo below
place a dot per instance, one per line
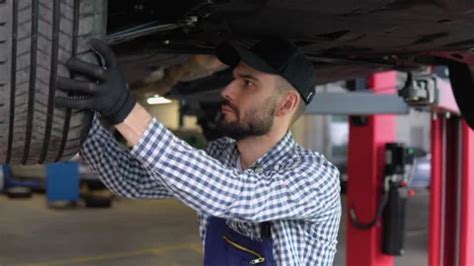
(168, 114)
(414, 129)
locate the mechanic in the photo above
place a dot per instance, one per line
(260, 197)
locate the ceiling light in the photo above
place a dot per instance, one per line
(157, 100)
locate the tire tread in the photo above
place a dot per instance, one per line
(34, 131)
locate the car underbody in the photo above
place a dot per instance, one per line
(167, 48)
(344, 39)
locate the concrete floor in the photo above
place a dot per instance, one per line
(135, 232)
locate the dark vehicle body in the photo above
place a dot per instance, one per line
(345, 39)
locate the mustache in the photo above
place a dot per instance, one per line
(230, 105)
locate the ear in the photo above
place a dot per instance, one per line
(288, 103)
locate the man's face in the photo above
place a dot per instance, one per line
(249, 104)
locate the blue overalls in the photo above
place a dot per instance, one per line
(225, 247)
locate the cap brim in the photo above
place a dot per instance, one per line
(231, 55)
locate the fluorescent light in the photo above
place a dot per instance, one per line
(157, 100)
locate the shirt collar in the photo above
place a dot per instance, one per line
(275, 154)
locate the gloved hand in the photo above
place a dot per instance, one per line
(106, 90)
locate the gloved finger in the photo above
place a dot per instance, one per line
(74, 103)
(81, 86)
(104, 52)
(89, 70)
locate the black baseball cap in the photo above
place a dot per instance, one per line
(274, 56)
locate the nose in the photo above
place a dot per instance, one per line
(228, 92)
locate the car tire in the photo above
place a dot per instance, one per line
(19, 192)
(37, 37)
(98, 202)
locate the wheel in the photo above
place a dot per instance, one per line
(19, 192)
(98, 202)
(36, 39)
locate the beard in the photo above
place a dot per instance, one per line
(257, 122)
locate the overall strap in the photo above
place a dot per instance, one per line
(265, 229)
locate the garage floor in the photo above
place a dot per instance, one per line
(139, 232)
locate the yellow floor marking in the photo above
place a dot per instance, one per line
(197, 248)
(155, 251)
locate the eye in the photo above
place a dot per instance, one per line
(248, 83)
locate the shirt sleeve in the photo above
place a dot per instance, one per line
(121, 172)
(306, 190)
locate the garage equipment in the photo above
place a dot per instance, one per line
(2, 177)
(392, 207)
(365, 166)
(425, 91)
(452, 177)
(62, 182)
(18, 187)
(452, 192)
(394, 213)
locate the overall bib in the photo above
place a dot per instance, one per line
(225, 247)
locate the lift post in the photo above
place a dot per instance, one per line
(452, 192)
(365, 168)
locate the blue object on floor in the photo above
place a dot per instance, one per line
(3, 176)
(62, 181)
(11, 182)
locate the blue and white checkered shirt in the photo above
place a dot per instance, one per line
(294, 188)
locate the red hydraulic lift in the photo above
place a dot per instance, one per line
(364, 169)
(452, 192)
(467, 197)
(451, 222)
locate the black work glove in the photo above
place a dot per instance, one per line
(106, 90)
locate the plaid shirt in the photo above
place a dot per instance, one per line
(294, 188)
